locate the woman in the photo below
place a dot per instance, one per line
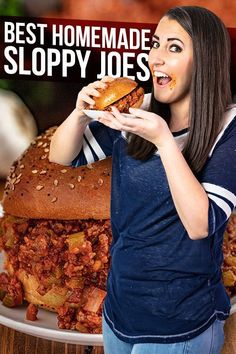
(173, 189)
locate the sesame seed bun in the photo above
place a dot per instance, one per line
(39, 189)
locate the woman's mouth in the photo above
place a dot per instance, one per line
(162, 79)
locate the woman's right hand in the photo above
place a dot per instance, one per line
(63, 150)
(84, 99)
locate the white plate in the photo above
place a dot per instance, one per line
(1, 210)
(233, 303)
(94, 114)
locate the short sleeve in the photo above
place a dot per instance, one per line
(218, 178)
(98, 143)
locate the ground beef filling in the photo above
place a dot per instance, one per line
(229, 264)
(127, 101)
(73, 255)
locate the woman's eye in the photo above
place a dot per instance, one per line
(155, 44)
(175, 48)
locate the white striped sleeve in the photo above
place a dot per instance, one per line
(220, 193)
(222, 204)
(87, 152)
(218, 178)
(98, 143)
(94, 144)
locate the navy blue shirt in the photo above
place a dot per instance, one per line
(162, 286)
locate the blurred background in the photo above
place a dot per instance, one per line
(27, 108)
(33, 106)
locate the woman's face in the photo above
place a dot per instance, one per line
(171, 61)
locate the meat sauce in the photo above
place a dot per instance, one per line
(127, 101)
(69, 254)
(229, 249)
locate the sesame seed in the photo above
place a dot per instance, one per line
(40, 144)
(100, 182)
(55, 182)
(22, 166)
(34, 171)
(54, 200)
(43, 157)
(46, 150)
(63, 171)
(43, 172)
(39, 187)
(79, 179)
(71, 185)
(89, 166)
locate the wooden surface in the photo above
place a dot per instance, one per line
(14, 342)
(230, 336)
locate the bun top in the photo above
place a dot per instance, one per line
(114, 91)
(39, 189)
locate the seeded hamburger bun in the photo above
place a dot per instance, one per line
(39, 189)
(115, 90)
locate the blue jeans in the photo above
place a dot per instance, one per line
(209, 342)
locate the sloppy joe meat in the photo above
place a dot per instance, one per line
(70, 254)
(127, 101)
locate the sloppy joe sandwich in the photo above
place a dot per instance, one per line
(55, 235)
(122, 93)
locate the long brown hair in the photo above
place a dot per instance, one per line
(210, 86)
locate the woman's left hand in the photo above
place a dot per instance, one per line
(147, 125)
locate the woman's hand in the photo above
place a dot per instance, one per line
(148, 125)
(84, 99)
(63, 150)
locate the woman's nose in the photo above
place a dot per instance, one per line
(156, 57)
(159, 61)
(156, 61)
